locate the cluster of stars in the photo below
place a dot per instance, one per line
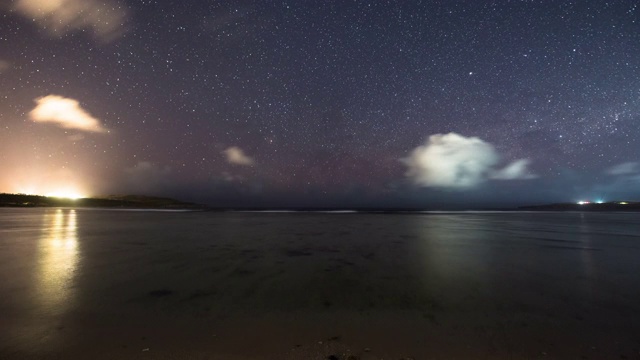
(329, 96)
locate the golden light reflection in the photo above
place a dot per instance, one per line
(58, 257)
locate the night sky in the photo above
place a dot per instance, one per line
(430, 104)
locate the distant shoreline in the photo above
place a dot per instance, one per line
(614, 206)
(133, 202)
(139, 202)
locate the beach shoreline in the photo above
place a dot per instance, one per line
(129, 285)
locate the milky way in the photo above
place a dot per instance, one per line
(323, 103)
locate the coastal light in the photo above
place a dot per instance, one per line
(65, 186)
(65, 194)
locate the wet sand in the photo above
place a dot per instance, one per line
(80, 284)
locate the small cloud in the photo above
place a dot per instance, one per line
(147, 177)
(627, 168)
(4, 66)
(105, 17)
(147, 168)
(66, 113)
(75, 137)
(235, 155)
(457, 162)
(517, 170)
(228, 177)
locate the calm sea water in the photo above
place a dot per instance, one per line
(125, 284)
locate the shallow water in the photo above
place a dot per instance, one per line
(119, 284)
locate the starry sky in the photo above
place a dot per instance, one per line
(427, 104)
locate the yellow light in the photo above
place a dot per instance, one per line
(65, 194)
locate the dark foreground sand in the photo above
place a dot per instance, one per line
(90, 284)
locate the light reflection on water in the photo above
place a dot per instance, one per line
(452, 245)
(490, 272)
(586, 254)
(57, 261)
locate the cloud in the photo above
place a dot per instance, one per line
(627, 168)
(4, 66)
(517, 170)
(75, 137)
(235, 155)
(66, 113)
(147, 177)
(457, 162)
(228, 177)
(106, 18)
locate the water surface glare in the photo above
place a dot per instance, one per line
(83, 283)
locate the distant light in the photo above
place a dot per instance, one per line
(600, 202)
(623, 203)
(583, 202)
(65, 194)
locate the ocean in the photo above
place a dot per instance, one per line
(110, 284)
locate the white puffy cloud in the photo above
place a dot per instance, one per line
(106, 18)
(451, 160)
(626, 168)
(66, 113)
(236, 156)
(517, 170)
(458, 162)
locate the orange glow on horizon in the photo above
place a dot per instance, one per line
(66, 194)
(63, 192)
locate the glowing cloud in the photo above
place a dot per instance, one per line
(66, 113)
(106, 18)
(235, 155)
(457, 162)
